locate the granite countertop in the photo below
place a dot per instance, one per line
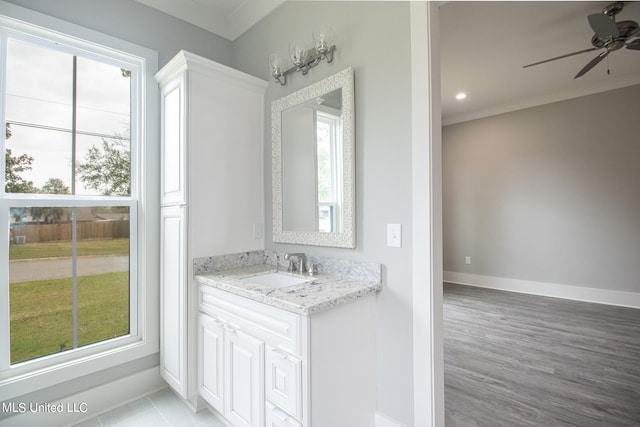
(323, 292)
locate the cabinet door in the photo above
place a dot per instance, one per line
(173, 299)
(211, 361)
(244, 388)
(173, 176)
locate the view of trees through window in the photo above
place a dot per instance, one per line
(67, 145)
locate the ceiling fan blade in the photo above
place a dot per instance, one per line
(592, 64)
(562, 56)
(603, 26)
(634, 33)
(634, 45)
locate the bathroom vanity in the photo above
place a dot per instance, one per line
(239, 333)
(282, 354)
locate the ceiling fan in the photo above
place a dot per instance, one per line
(609, 35)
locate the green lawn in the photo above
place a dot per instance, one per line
(63, 249)
(41, 313)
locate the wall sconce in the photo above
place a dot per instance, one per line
(303, 60)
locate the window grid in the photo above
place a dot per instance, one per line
(8, 200)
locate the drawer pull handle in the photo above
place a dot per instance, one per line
(281, 353)
(231, 327)
(280, 414)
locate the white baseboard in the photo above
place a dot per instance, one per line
(384, 421)
(89, 403)
(577, 293)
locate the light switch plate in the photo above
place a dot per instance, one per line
(258, 231)
(394, 235)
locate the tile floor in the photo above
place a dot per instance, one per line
(161, 409)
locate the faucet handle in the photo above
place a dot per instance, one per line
(292, 264)
(312, 269)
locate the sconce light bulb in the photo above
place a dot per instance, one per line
(297, 52)
(323, 38)
(275, 65)
(322, 43)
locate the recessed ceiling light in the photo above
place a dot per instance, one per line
(461, 96)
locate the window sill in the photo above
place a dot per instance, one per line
(28, 377)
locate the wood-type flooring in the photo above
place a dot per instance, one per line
(516, 360)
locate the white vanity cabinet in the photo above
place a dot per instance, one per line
(263, 366)
(211, 192)
(231, 371)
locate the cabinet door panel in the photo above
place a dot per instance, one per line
(173, 299)
(283, 381)
(211, 361)
(244, 365)
(173, 178)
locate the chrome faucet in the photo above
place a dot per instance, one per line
(292, 264)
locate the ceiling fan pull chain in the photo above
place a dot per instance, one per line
(608, 70)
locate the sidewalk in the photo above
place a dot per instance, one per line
(59, 268)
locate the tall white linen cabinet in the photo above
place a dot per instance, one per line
(212, 193)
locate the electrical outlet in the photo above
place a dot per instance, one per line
(467, 260)
(394, 235)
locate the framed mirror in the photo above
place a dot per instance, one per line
(312, 162)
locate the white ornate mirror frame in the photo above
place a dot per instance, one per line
(346, 237)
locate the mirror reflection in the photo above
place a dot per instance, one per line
(312, 165)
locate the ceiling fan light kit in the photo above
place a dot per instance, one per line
(608, 35)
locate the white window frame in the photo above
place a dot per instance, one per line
(143, 340)
(332, 118)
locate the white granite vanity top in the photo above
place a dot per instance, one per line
(323, 292)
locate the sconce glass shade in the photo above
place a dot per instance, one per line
(302, 57)
(323, 38)
(275, 65)
(297, 52)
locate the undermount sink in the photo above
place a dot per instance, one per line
(275, 280)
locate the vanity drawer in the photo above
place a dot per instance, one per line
(277, 327)
(276, 417)
(283, 380)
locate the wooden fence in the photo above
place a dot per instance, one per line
(35, 233)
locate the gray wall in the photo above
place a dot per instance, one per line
(374, 39)
(136, 23)
(548, 194)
